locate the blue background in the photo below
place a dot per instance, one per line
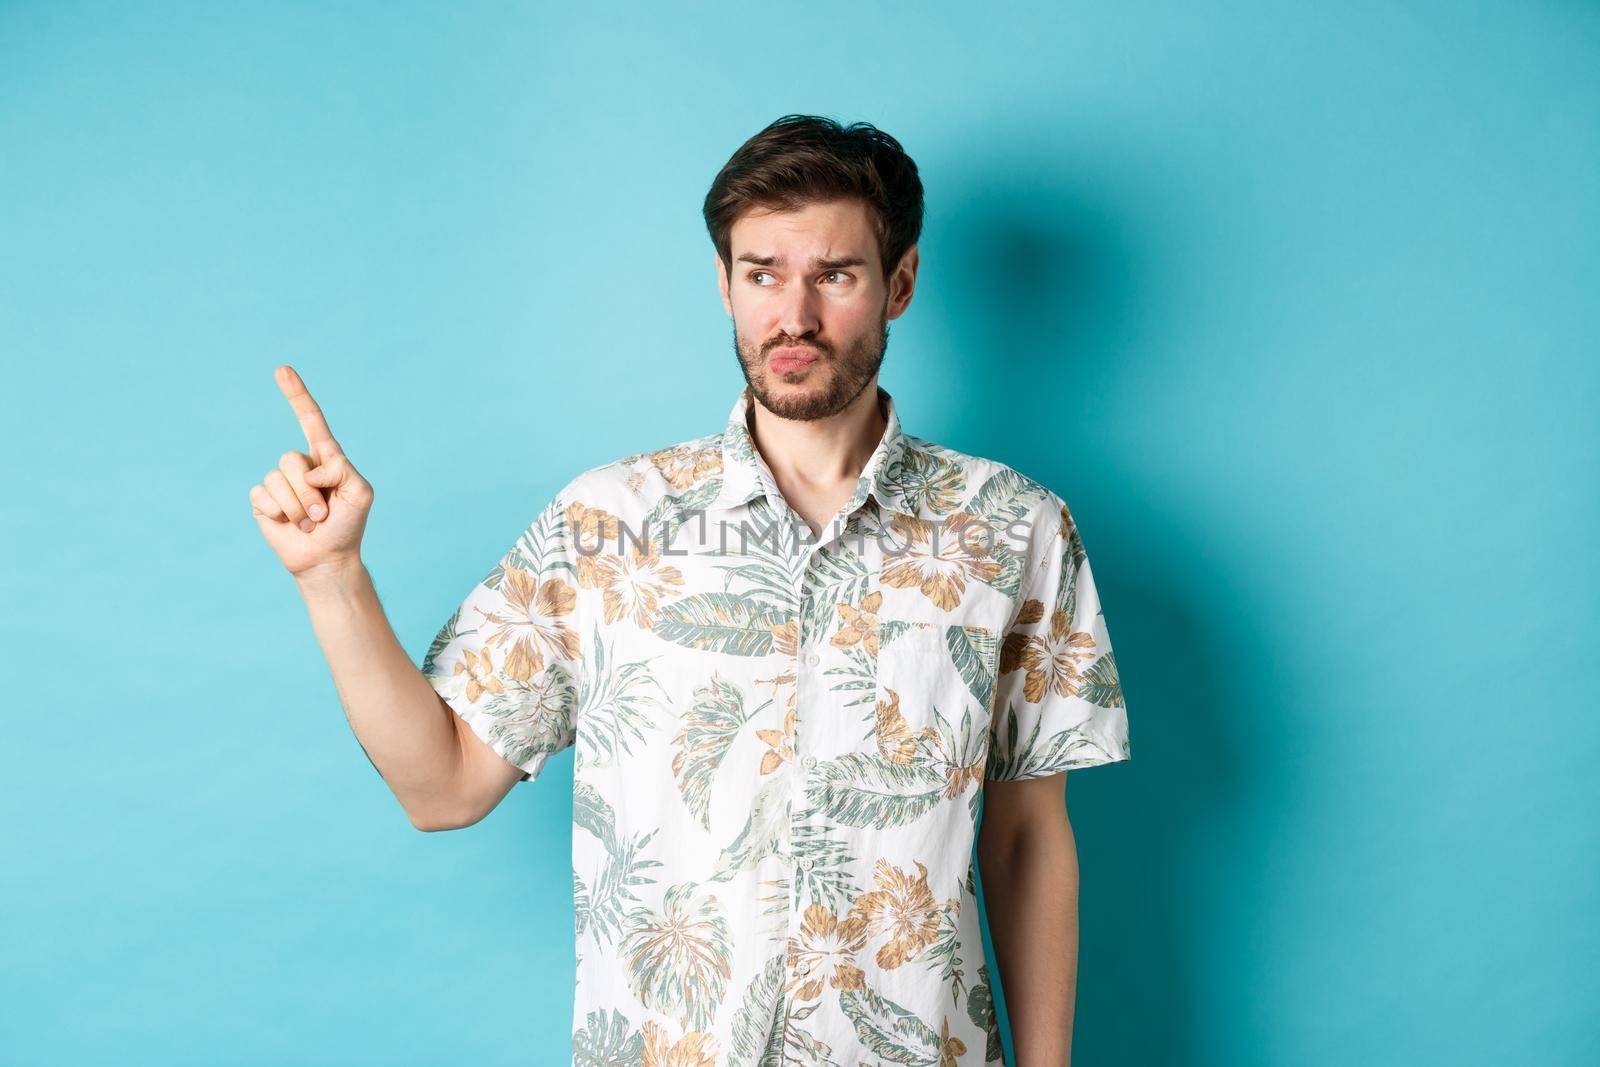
(1293, 303)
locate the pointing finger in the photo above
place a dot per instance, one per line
(318, 436)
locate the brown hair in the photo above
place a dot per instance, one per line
(805, 159)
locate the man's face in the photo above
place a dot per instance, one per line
(810, 306)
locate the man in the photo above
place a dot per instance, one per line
(793, 656)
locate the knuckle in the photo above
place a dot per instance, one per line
(264, 502)
(292, 460)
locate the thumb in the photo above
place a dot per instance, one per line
(327, 476)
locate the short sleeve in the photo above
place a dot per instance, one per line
(508, 661)
(1058, 702)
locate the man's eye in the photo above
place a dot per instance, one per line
(755, 275)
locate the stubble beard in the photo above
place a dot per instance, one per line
(852, 370)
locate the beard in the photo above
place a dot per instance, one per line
(834, 380)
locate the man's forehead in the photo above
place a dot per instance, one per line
(835, 227)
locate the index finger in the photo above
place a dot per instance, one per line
(318, 436)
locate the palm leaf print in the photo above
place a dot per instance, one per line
(860, 677)
(828, 879)
(606, 1040)
(834, 576)
(837, 566)
(580, 905)
(763, 830)
(591, 812)
(946, 948)
(445, 635)
(535, 716)
(624, 870)
(1066, 749)
(980, 1009)
(764, 1036)
(719, 622)
(1067, 587)
(1074, 541)
(1100, 685)
(861, 790)
(768, 582)
(710, 728)
(759, 1021)
(1006, 496)
(775, 902)
(618, 707)
(769, 550)
(540, 548)
(889, 1030)
(973, 651)
(961, 755)
(661, 523)
(928, 481)
(889, 629)
(1013, 561)
(679, 960)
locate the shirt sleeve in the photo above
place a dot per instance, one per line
(1058, 702)
(508, 661)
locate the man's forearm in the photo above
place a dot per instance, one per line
(401, 723)
(1030, 888)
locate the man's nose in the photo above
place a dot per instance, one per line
(798, 316)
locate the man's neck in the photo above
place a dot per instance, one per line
(817, 462)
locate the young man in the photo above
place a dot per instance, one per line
(793, 656)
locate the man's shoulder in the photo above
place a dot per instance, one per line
(644, 479)
(943, 479)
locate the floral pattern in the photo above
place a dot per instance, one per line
(781, 737)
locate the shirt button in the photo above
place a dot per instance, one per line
(812, 659)
(804, 863)
(808, 761)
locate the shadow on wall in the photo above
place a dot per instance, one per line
(1052, 288)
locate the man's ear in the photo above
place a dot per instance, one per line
(903, 282)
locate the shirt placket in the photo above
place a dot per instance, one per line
(810, 694)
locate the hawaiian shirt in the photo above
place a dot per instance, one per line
(781, 737)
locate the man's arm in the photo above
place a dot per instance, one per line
(1029, 863)
(312, 510)
(443, 774)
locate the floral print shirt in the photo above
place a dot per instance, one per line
(782, 735)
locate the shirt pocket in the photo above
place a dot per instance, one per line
(934, 691)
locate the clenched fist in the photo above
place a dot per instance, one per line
(313, 507)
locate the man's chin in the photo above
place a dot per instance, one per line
(802, 401)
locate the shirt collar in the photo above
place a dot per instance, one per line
(745, 475)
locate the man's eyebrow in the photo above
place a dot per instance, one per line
(828, 263)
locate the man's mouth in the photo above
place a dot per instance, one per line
(789, 360)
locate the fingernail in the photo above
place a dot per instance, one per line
(307, 525)
(317, 511)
